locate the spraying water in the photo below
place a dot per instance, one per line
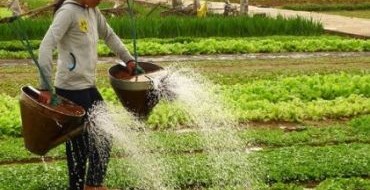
(216, 123)
(44, 163)
(128, 135)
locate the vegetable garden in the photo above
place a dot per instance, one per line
(303, 123)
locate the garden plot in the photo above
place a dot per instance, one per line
(278, 151)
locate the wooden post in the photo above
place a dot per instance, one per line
(243, 7)
(176, 3)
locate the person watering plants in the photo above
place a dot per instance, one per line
(75, 30)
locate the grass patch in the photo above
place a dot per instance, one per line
(5, 12)
(34, 4)
(169, 27)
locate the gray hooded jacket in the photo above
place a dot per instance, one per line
(75, 32)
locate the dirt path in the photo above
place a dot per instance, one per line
(357, 27)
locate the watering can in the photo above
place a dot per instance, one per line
(45, 126)
(136, 93)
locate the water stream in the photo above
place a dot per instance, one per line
(214, 121)
(129, 136)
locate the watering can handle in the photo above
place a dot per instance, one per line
(137, 69)
(42, 96)
(34, 90)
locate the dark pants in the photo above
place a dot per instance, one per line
(84, 147)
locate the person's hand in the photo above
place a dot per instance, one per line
(44, 97)
(131, 66)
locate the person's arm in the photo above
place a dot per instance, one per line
(111, 39)
(61, 23)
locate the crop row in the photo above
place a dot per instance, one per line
(303, 87)
(285, 165)
(298, 98)
(356, 131)
(218, 46)
(169, 27)
(295, 110)
(10, 116)
(15, 45)
(172, 115)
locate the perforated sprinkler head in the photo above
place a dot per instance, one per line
(54, 100)
(139, 70)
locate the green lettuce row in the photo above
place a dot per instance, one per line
(226, 46)
(344, 184)
(297, 110)
(170, 115)
(16, 45)
(303, 87)
(298, 164)
(263, 110)
(10, 116)
(356, 131)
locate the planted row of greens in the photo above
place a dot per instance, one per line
(292, 164)
(356, 131)
(223, 72)
(173, 115)
(263, 110)
(344, 184)
(169, 27)
(303, 87)
(15, 45)
(298, 98)
(10, 116)
(328, 184)
(186, 46)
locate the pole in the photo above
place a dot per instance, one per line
(243, 7)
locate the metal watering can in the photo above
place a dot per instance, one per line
(44, 126)
(136, 93)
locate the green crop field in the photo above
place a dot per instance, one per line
(254, 103)
(302, 118)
